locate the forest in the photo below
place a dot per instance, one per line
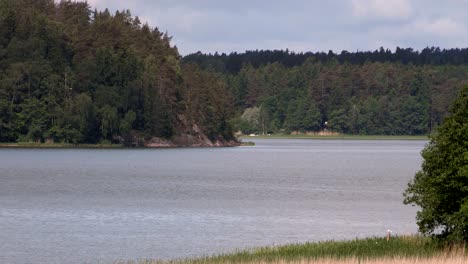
(76, 75)
(72, 74)
(405, 92)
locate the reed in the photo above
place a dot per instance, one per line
(430, 260)
(402, 249)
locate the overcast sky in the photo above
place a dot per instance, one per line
(302, 25)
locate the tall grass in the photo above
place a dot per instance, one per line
(405, 249)
(359, 248)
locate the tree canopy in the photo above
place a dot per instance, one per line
(72, 74)
(374, 98)
(440, 188)
(400, 92)
(233, 62)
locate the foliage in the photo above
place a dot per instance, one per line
(251, 120)
(234, 62)
(440, 188)
(73, 75)
(375, 95)
(70, 74)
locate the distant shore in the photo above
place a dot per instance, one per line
(60, 145)
(246, 141)
(28, 145)
(338, 137)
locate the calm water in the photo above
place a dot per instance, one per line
(93, 206)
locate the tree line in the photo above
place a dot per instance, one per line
(389, 93)
(233, 62)
(72, 74)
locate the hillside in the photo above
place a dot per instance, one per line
(70, 74)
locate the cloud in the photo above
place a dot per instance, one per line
(381, 9)
(424, 28)
(441, 27)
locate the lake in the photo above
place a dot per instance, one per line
(103, 205)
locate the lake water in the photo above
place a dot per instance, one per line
(99, 206)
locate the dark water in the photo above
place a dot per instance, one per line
(78, 206)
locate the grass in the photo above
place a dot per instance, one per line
(359, 248)
(405, 249)
(442, 259)
(344, 137)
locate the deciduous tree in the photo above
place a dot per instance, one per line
(440, 188)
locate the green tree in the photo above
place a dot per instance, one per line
(251, 118)
(312, 118)
(109, 121)
(36, 120)
(86, 115)
(294, 115)
(440, 188)
(6, 132)
(338, 120)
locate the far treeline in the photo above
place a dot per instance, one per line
(405, 92)
(76, 75)
(71, 74)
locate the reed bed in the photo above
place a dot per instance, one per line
(404, 249)
(429, 260)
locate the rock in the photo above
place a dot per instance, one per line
(157, 142)
(190, 135)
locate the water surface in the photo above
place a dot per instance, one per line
(90, 206)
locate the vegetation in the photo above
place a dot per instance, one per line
(375, 250)
(233, 63)
(440, 189)
(443, 259)
(340, 137)
(405, 92)
(69, 74)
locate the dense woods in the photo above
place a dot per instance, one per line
(404, 92)
(71, 74)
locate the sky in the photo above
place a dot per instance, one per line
(302, 25)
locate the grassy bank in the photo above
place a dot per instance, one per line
(58, 145)
(344, 137)
(408, 249)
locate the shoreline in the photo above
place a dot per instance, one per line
(100, 146)
(244, 141)
(59, 146)
(340, 137)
